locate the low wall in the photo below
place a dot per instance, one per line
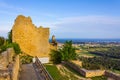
(112, 75)
(76, 62)
(15, 69)
(76, 68)
(6, 58)
(93, 73)
(4, 75)
(9, 66)
(84, 72)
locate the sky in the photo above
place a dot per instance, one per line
(65, 18)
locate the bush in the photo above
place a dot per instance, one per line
(100, 63)
(55, 56)
(2, 41)
(67, 52)
(9, 37)
(25, 59)
(15, 46)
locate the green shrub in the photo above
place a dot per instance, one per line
(67, 52)
(25, 59)
(2, 41)
(9, 37)
(3, 48)
(55, 56)
(15, 46)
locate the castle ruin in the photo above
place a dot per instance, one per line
(32, 40)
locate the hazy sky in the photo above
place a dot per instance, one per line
(66, 18)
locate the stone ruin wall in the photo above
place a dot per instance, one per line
(6, 58)
(84, 72)
(9, 66)
(15, 69)
(32, 40)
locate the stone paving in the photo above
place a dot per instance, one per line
(28, 72)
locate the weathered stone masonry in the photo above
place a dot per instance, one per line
(32, 40)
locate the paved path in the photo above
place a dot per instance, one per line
(28, 72)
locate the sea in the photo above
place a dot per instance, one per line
(88, 40)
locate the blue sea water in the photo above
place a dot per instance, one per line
(88, 40)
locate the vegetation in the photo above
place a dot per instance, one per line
(54, 72)
(116, 71)
(56, 56)
(67, 52)
(100, 63)
(99, 78)
(2, 41)
(9, 44)
(113, 52)
(61, 73)
(85, 53)
(9, 40)
(25, 59)
(15, 46)
(73, 71)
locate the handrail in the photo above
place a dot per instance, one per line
(42, 69)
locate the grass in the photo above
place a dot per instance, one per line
(99, 78)
(53, 71)
(86, 53)
(116, 71)
(98, 49)
(68, 73)
(73, 71)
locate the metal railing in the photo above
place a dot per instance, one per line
(43, 73)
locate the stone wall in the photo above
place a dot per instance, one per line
(11, 53)
(112, 75)
(15, 69)
(32, 40)
(4, 60)
(9, 66)
(4, 75)
(75, 67)
(93, 73)
(84, 72)
(6, 57)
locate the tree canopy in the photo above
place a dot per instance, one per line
(67, 52)
(2, 41)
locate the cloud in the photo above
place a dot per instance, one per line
(91, 19)
(88, 26)
(79, 27)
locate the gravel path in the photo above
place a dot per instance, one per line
(28, 72)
